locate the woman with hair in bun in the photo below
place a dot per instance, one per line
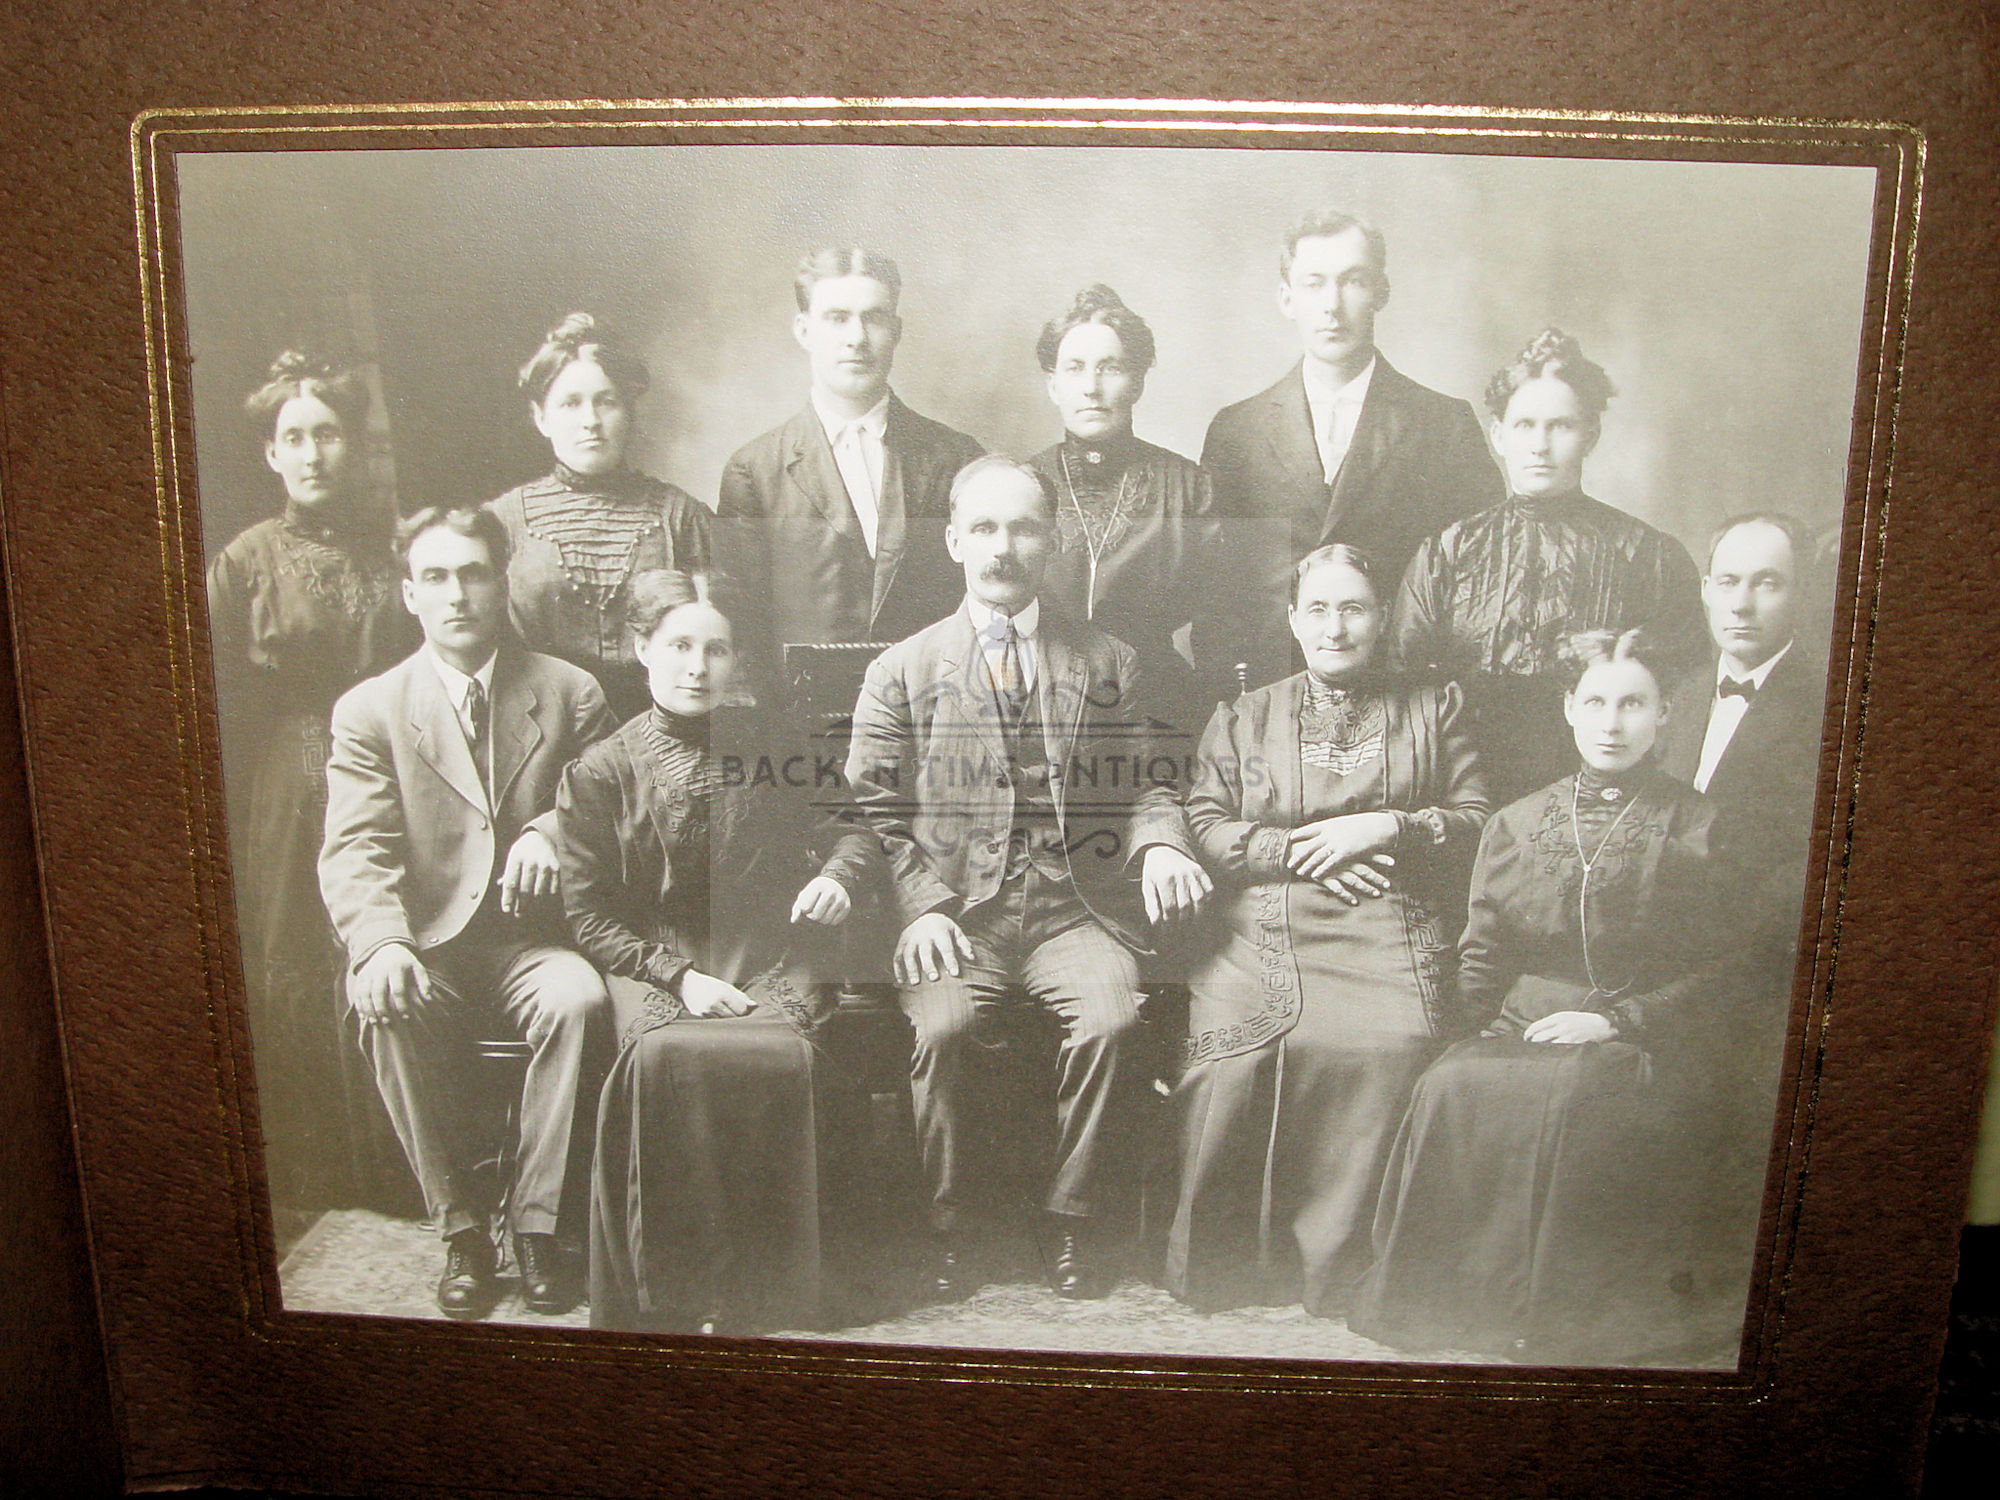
(1337, 810)
(1135, 526)
(1543, 1199)
(581, 532)
(301, 606)
(1489, 602)
(707, 884)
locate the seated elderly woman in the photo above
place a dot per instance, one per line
(705, 891)
(1538, 1206)
(1338, 812)
(1489, 602)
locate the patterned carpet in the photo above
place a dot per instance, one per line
(358, 1262)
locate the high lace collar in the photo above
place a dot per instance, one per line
(329, 521)
(1098, 459)
(1610, 786)
(688, 730)
(621, 481)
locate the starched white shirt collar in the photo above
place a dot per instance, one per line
(1336, 410)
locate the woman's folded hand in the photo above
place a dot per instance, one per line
(1363, 880)
(1314, 850)
(705, 995)
(1568, 1028)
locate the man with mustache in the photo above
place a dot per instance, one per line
(1344, 448)
(1002, 756)
(834, 522)
(439, 871)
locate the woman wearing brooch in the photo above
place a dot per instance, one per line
(1541, 1204)
(706, 889)
(580, 533)
(1336, 811)
(301, 607)
(1136, 534)
(1490, 601)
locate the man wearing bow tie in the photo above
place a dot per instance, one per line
(1344, 448)
(1002, 756)
(833, 523)
(440, 875)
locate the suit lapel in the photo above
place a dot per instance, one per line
(967, 689)
(1376, 435)
(516, 732)
(813, 472)
(892, 524)
(1061, 690)
(439, 740)
(1288, 434)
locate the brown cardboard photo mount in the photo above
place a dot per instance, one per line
(296, 1353)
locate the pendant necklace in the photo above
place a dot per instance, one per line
(1590, 863)
(1092, 545)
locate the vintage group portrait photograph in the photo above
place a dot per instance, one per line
(1199, 752)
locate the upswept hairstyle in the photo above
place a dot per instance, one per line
(1340, 553)
(475, 521)
(1325, 223)
(988, 463)
(655, 593)
(578, 337)
(1097, 303)
(1793, 528)
(1589, 648)
(836, 260)
(1551, 352)
(297, 374)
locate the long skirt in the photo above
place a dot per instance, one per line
(1542, 1205)
(327, 1138)
(705, 1191)
(1283, 1147)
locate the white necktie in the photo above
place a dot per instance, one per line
(852, 452)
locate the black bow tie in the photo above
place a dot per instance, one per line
(1732, 687)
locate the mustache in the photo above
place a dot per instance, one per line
(1002, 570)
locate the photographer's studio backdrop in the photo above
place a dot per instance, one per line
(1725, 299)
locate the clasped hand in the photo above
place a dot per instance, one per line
(1347, 855)
(1569, 1028)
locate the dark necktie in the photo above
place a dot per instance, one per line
(479, 712)
(1736, 687)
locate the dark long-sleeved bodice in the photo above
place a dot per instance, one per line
(577, 540)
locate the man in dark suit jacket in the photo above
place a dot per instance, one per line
(834, 522)
(438, 869)
(1002, 756)
(1344, 448)
(1745, 728)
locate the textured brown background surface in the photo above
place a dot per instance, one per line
(200, 1391)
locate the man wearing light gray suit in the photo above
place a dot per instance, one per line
(439, 872)
(1005, 760)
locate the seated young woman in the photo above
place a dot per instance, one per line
(707, 892)
(1539, 1203)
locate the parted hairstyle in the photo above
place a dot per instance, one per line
(1793, 528)
(475, 521)
(1335, 553)
(1325, 223)
(655, 593)
(294, 373)
(1097, 303)
(989, 463)
(838, 260)
(578, 337)
(1589, 648)
(1553, 353)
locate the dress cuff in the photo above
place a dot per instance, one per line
(1264, 851)
(1423, 829)
(666, 971)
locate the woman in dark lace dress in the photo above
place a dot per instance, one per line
(301, 607)
(1543, 1201)
(1337, 811)
(707, 888)
(581, 533)
(1136, 534)
(1490, 601)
